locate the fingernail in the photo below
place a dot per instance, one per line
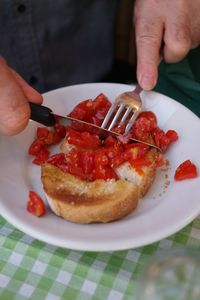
(147, 82)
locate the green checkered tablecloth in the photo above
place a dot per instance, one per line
(30, 269)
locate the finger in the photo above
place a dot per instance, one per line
(31, 94)
(15, 111)
(177, 40)
(148, 42)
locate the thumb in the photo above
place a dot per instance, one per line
(14, 108)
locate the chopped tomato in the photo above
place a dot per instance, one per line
(48, 137)
(83, 110)
(141, 148)
(41, 157)
(140, 162)
(74, 170)
(73, 157)
(101, 101)
(160, 138)
(42, 133)
(35, 147)
(53, 138)
(87, 161)
(149, 115)
(143, 123)
(101, 105)
(100, 158)
(140, 133)
(172, 135)
(186, 170)
(35, 204)
(110, 141)
(60, 129)
(103, 172)
(83, 139)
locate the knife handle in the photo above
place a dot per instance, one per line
(42, 114)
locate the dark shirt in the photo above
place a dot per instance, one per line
(59, 42)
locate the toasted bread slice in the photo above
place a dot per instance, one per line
(85, 202)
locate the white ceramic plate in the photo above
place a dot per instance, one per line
(161, 213)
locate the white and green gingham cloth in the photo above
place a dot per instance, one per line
(30, 269)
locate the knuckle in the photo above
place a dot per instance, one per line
(180, 42)
(148, 40)
(147, 32)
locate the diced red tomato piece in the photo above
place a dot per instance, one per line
(160, 138)
(56, 159)
(73, 157)
(103, 172)
(60, 129)
(143, 124)
(186, 170)
(140, 134)
(42, 133)
(76, 171)
(100, 158)
(87, 161)
(172, 135)
(83, 139)
(149, 115)
(35, 204)
(101, 101)
(83, 110)
(41, 157)
(140, 162)
(141, 148)
(110, 141)
(101, 105)
(35, 147)
(52, 138)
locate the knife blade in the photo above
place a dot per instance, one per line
(44, 115)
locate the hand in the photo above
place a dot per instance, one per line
(173, 25)
(14, 96)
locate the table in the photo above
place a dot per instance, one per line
(31, 269)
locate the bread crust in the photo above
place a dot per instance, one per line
(149, 173)
(84, 202)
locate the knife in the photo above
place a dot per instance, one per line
(45, 116)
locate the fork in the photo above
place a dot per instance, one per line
(126, 106)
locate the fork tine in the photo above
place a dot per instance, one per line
(108, 115)
(126, 114)
(131, 121)
(117, 115)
